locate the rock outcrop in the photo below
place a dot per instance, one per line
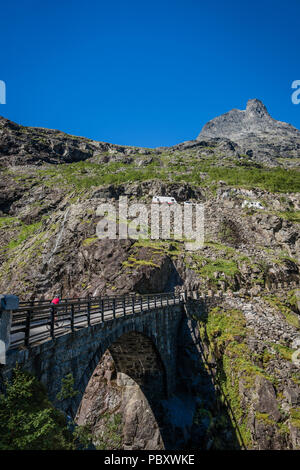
(20, 145)
(255, 132)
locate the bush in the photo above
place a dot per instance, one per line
(28, 421)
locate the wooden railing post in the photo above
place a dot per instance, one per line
(89, 311)
(52, 321)
(27, 328)
(72, 317)
(114, 307)
(124, 306)
(161, 300)
(148, 302)
(141, 303)
(102, 310)
(133, 300)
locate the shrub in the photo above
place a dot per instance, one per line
(28, 421)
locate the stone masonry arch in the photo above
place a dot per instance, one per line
(80, 352)
(130, 382)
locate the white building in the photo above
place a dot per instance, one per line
(254, 204)
(163, 199)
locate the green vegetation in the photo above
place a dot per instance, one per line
(291, 317)
(28, 421)
(295, 417)
(111, 437)
(213, 270)
(296, 378)
(265, 417)
(268, 421)
(292, 298)
(292, 216)
(284, 351)
(160, 247)
(223, 266)
(23, 231)
(225, 333)
(84, 175)
(132, 263)
(275, 180)
(83, 437)
(7, 222)
(89, 241)
(170, 168)
(229, 251)
(283, 257)
(67, 388)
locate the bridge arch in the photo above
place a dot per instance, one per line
(143, 347)
(129, 381)
(136, 358)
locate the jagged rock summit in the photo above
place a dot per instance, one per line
(255, 131)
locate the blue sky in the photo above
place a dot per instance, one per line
(146, 73)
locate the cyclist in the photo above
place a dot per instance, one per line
(55, 301)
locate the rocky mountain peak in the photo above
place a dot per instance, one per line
(255, 108)
(255, 118)
(255, 131)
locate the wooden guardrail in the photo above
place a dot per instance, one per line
(39, 321)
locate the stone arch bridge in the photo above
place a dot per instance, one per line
(140, 333)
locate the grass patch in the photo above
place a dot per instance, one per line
(274, 180)
(89, 241)
(24, 233)
(132, 263)
(7, 222)
(111, 438)
(292, 216)
(284, 351)
(291, 317)
(83, 175)
(295, 417)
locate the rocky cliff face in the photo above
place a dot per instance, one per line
(255, 131)
(21, 145)
(248, 348)
(51, 185)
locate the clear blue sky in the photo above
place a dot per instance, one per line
(146, 73)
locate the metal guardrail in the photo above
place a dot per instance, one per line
(39, 321)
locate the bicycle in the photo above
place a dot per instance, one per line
(58, 321)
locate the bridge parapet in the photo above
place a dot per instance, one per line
(36, 322)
